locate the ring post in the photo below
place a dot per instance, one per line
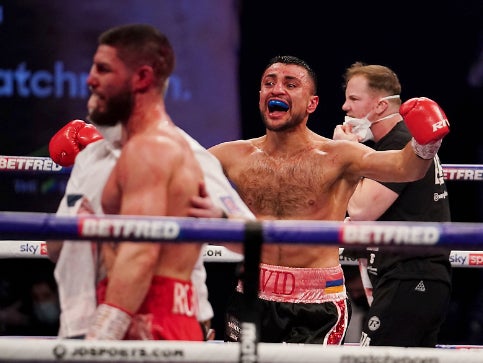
(250, 314)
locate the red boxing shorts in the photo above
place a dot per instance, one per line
(169, 311)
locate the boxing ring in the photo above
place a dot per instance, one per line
(24, 235)
(30, 350)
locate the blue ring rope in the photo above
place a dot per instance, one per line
(28, 225)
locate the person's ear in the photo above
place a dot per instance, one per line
(143, 78)
(313, 103)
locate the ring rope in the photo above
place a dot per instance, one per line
(468, 172)
(184, 229)
(45, 165)
(45, 226)
(220, 254)
(70, 350)
(31, 164)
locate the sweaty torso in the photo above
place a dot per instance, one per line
(308, 184)
(160, 189)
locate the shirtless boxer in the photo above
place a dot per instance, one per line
(293, 173)
(147, 293)
(95, 155)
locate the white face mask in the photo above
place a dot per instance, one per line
(362, 126)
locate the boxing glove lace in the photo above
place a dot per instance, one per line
(110, 323)
(70, 140)
(427, 123)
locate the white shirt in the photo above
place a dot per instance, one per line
(75, 271)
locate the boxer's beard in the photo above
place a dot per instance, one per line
(288, 125)
(118, 109)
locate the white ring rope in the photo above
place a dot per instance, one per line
(71, 350)
(468, 172)
(45, 165)
(214, 253)
(31, 164)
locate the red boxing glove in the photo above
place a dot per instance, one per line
(70, 140)
(427, 123)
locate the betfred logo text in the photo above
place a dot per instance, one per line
(129, 229)
(462, 174)
(34, 164)
(390, 234)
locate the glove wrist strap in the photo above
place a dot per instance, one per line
(427, 151)
(110, 323)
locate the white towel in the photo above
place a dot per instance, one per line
(77, 295)
(75, 271)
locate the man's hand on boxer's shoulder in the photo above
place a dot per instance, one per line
(203, 207)
(70, 140)
(343, 132)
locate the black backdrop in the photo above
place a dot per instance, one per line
(433, 46)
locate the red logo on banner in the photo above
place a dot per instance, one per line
(43, 248)
(476, 259)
